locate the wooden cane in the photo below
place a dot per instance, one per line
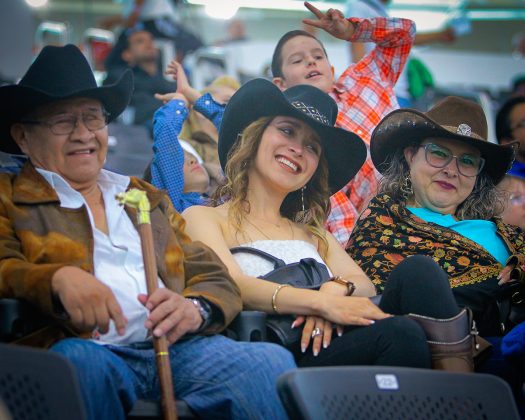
(139, 200)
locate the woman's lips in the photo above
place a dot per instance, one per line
(445, 185)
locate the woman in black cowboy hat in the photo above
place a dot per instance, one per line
(282, 157)
(438, 198)
(70, 249)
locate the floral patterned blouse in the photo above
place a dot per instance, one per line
(387, 232)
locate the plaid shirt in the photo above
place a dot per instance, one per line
(365, 94)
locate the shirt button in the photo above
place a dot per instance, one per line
(177, 111)
(207, 102)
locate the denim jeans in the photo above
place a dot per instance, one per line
(218, 378)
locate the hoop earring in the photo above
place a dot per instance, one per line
(406, 187)
(302, 199)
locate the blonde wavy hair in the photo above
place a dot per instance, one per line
(241, 159)
(192, 125)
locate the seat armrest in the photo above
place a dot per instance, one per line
(18, 318)
(248, 326)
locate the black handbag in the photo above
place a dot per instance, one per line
(511, 306)
(307, 273)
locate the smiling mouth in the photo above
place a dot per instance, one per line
(82, 152)
(313, 74)
(288, 163)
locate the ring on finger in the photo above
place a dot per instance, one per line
(317, 331)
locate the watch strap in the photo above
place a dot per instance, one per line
(205, 312)
(349, 284)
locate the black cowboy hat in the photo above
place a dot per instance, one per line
(57, 73)
(452, 118)
(345, 152)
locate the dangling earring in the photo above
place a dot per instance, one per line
(406, 187)
(302, 198)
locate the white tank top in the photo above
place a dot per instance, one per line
(289, 251)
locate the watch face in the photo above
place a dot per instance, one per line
(203, 309)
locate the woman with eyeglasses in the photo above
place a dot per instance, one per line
(438, 198)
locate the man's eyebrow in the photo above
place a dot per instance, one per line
(92, 108)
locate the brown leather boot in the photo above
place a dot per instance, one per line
(450, 341)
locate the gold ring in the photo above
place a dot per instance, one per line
(162, 353)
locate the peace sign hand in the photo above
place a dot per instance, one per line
(333, 22)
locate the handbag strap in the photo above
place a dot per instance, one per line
(277, 262)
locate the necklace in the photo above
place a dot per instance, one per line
(277, 226)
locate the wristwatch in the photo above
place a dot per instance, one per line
(205, 312)
(350, 285)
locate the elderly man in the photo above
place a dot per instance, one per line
(67, 247)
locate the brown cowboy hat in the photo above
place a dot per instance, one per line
(452, 118)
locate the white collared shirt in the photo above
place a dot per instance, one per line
(117, 256)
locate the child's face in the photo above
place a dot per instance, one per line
(196, 178)
(305, 63)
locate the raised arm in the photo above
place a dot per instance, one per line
(168, 157)
(393, 38)
(210, 108)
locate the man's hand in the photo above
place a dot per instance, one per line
(89, 303)
(333, 22)
(171, 314)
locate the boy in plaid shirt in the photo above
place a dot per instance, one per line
(364, 92)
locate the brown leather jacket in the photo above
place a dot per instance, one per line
(37, 237)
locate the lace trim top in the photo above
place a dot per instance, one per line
(289, 251)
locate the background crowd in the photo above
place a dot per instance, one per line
(415, 215)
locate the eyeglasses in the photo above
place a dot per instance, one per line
(439, 157)
(66, 124)
(517, 199)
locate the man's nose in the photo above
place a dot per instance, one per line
(81, 129)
